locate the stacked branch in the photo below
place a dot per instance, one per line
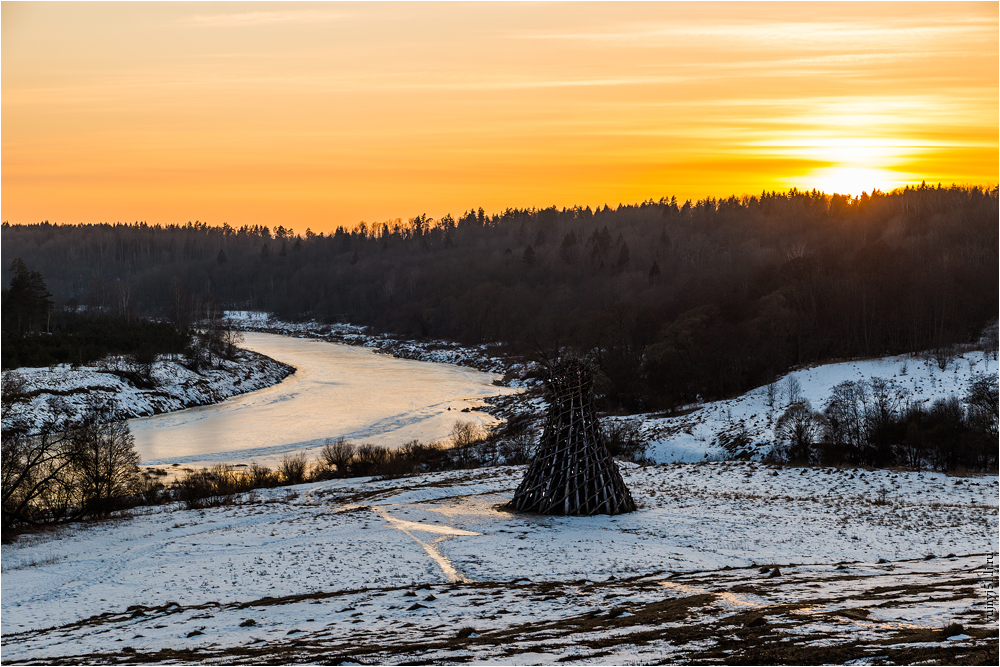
(572, 472)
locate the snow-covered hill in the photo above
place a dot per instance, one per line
(50, 394)
(694, 435)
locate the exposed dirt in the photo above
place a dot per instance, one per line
(810, 615)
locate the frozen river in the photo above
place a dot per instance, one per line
(337, 390)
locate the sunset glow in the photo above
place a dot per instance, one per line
(324, 114)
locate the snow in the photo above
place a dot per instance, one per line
(695, 436)
(338, 558)
(53, 390)
(358, 571)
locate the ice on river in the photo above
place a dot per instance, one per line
(337, 390)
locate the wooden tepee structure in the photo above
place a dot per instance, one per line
(572, 472)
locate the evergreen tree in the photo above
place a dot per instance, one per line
(623, 256)
(27, 304)
(529, 256)
(654, 272)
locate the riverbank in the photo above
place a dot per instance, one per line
(517, 372)
(338, 391)
(54, 396)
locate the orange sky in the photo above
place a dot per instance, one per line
(321, 114)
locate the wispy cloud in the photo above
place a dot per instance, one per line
(790, 34)
(251, 19)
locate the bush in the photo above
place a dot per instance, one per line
(370, 460)
(292, 468)
(259, 476)
(425, 458)
(337, 455)
(221, 485)
(516, 440)
(798, 428)
(624, 440)
(468, 439)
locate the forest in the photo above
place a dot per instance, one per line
(673, 301)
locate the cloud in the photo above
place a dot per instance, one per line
(251, 19)
(808, 34)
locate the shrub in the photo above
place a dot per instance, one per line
(337, 454)
(471, 445)
(370, 460)
(221, 485)
(797, 430)
(292, 468)
(516, 440)
(425, 458)
(259, 476)
(624, 440)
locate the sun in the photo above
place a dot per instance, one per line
(853, 180)
(853, 165)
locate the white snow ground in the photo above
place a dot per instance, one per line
(429, 568)
(332, 571)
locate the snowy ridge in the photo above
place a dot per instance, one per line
(50, 392)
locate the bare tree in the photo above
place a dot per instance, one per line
(799, 427)
(123, 292)
(337, 454)
(292, 468)
(31, 469)
(230, 340)
(793, 390)
(771, 394)
(105, 463)
(465, 435)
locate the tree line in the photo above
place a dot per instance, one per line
(124, 344)
(674, 301)
(63, 474)
(872, 423)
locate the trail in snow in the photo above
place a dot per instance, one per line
(409, 527)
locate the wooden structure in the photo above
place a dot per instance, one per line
(572, 472)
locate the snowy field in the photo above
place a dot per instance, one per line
(430, 568)
(725, 561)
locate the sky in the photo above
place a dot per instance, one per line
(324, 114)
